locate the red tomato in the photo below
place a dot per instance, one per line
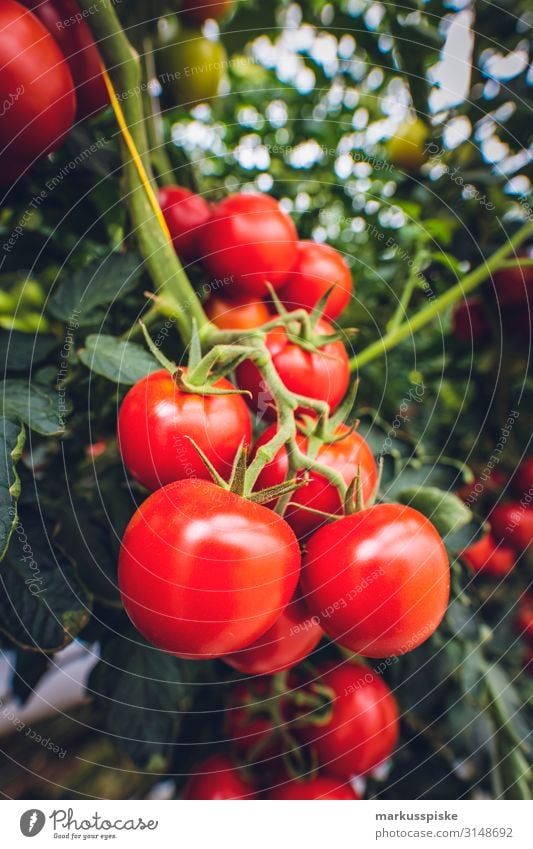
(363, 728)
(217, 778)
(251, 241)
(185, 214)
(154, 423)
(524, 618)
(378, 580)
(489, 557)
(290, 639)
(236, 315)
(470, 322)
(204, 572)
(346, 457)
(66, 23)
(321, 787)
(198, 11)
(36, 84)
(318, 268)
(514, 286)
(512, 523)
(522, 481)
(323, 375)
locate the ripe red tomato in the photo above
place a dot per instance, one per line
(321, 787)
(290, 639)
(318, 267)
(346, 457)
(363, 728)
(249, 723)
(251, 241)
(522, 481)
(323, 375)
(204, 572)
(185, 214)
(470, 322)
(512, 523)
(198, 11)
(237, 314)
(524, 618)
(157, 418)
(514, 286)
(378, 580)
(36, 85)
(66, 24)
(489, 557)
(217, 778)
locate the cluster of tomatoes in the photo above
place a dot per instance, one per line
(510, 537)
(205, 572)
(50, 77)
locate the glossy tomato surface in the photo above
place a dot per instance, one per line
(348, 456)
(290, 639)
(470, 322)
(157, 421)
(317, 268)
(204, 572)
(243, 314)
(217, 778)
(512, 523)
(251, 241)
(65, 22)
(36, 83)
(522, 481)
(323, 374)
(362, 730)
(490, 557)
(321, 787)
(378, 580)
(185, 213)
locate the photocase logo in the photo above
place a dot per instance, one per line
(32, 822)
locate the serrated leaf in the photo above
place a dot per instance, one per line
(38, 406)
(82, 296)
(43, 604)
(117, 360)
(138, 692)
(11, 444)
(445, 510)
(21, 351)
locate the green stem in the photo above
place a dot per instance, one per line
(161, 261)
(410, 286)
(154, 124)
(470, 282)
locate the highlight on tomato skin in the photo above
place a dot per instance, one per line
(348, 454)
(203, 572)
(383, 577)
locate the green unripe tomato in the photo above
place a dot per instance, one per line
(190, 67)
(406, 148)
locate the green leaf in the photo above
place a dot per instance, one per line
(138, 694)
(38, 406)
(81, 298)
(445, 510)
(122, 362)
(43, 604)
(20, 351)
(11, 444)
